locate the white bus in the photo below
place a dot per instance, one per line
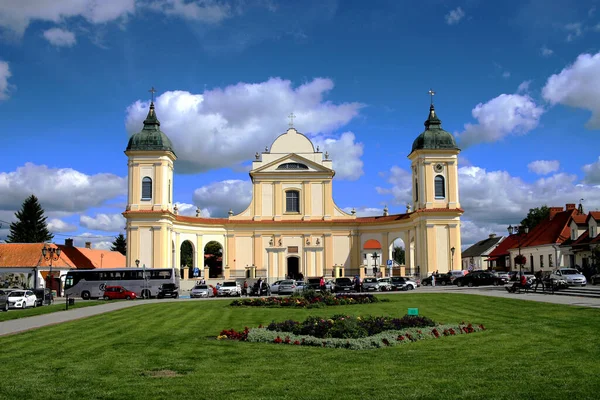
(145, 283)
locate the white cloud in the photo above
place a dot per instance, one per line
(189, 210)
(506, 74)
(543, 167)
(592, 173)
(200, 10)
(60, 37)
(578, 85)
(103, 242)
(58, 189)
(364, 211)
(15, 16)
(218, 198)
(507, 114)
(56, 225)
(494, 199)
(546, 52)
(345, 154)
(574, 30)
(103, 222)
(524, 87)
(225, 127)
(454, 16)
(4, 75)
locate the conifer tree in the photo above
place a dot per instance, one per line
(120, 244)
(30, 226)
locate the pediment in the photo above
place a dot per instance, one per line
(292, 163)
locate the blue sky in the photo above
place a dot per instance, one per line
(517, 82)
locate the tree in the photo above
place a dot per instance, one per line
(213, 248)
(120, 244)
(535, 216)
(399, 255)
(30, 226)
(187, 254)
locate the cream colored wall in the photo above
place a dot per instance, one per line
(159, 167)
(544, 251)
(267, 199)
(341, 250)
(317, 199)
(146, 247)
(593, 226)
(443, 250)
(244, 252)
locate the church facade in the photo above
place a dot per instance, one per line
(292, 226)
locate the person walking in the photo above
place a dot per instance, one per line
(246, 288)
(259, 285)
(433, 280)
(322, 284)
(539, 279)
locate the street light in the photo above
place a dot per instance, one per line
(452, 259)
(520, 231)
(50, 254)
(375, 256)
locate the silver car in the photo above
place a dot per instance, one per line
(571, 275)
(370, 285)
(287, 286)
(231, 288)
(201, 291)
(275, 287)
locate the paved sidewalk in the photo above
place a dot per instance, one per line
(24, 324)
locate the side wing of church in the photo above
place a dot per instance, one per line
(292, 227)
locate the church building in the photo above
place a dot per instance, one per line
(292, 226)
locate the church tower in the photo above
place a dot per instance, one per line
(434, 166)
(150, 194)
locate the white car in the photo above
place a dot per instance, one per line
(22, 299)
(231, 288)
(571, 275)
(275, 287)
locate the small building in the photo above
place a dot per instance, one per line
(583, 247)
(23, 265)
(476, 256)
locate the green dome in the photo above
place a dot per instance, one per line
(150, 137)
(434, 137)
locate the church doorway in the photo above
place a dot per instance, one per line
(293, 268)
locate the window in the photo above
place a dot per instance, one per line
(573, 234)
(416, 190)
(146, 188)
(292, 165)
(292, 201)
(541, 261)
(440, 189)
(550, 263)
(592, 232)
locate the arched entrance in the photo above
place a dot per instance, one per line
(187, 258)
(397, 253)
(213, 259)
(372, 257)
(293, 268)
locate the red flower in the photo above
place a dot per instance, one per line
(296, 342)
(277, 340)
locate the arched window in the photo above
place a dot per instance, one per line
(440, 187)
(147, 188)
(292, 201)
(292, 165)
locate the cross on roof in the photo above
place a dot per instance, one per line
(431, 94)
(291, 117)
(152, 91)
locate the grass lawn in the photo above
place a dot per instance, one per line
(57, 306)
(168, 351)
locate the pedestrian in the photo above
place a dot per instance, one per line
(259, 285)
(539, 279)
(357, 283)
(322, 284)
(433, 280)
(246, 288)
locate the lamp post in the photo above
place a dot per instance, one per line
(50, 254)
(375, 256)
(521, 231)
(452, 250)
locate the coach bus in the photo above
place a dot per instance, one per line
(89, 284)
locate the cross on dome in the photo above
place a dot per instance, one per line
(431, 94)
(291, 117)
(152, 91)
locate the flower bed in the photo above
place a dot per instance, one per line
(349, 332)
(307, 300)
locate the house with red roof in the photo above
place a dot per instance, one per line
(23, 265)
(583, 247)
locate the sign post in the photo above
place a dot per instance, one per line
(390, 264)
(413, 311)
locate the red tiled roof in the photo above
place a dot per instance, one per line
(580, 219)
(372, 244)
(550, 231)
(503, 248)
(593, 214)
(30, 255)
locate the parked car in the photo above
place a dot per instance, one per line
(370, 285)
(456, 274)
(230, 288)
(275, 287)
(502, 274)
(168, 290)
(287, 286)
(415, 279)
(118, 292)
(440, 279)
(4, 300)
(313, 283)
(21, 299)
(330, 285)
(571, 275)
(384, 284)
(343, 285)
(300, 286)
(44, 296)
(595, 279)
(478, 279)
(265, 289)
(201, 291)
(399, 283)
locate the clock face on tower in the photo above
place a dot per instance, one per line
(438, 168)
